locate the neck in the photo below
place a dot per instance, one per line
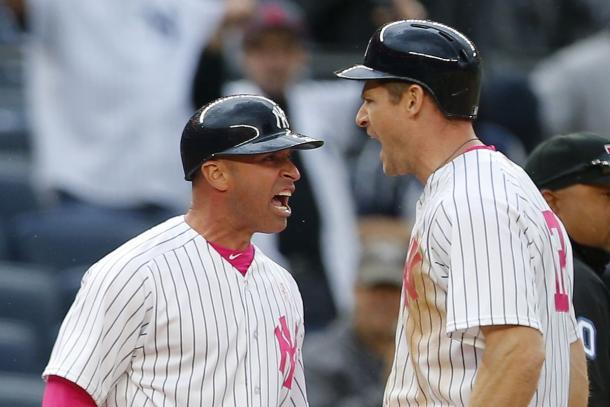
(444, 145)
(216, 229)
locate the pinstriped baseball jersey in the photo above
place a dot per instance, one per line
(166, 321)
(485, 250)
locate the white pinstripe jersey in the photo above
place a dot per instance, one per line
(485, 250)
(165, 321)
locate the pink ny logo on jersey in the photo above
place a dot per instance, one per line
(288, 349)
(562, 300)
(414, 257)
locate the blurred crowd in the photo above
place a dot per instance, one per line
(93, 97)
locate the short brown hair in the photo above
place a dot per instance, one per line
(396, 89)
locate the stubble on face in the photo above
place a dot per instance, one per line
(382, 116)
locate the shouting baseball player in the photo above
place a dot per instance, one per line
(486, 316)
(190, 313)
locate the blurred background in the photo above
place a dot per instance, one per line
(94, 95)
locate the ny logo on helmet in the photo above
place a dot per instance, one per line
(280, 117)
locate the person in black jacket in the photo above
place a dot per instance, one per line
(573, 173)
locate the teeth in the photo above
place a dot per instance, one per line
(285, 193)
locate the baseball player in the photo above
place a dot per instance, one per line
(190, 313)
(486, 316)
(573, 173)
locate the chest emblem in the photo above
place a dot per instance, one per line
(288, 350)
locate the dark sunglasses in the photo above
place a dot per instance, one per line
(580, 174)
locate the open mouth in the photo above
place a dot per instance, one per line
(281, 201)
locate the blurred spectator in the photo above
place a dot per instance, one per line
(574, 87)
(108, 88)
(513, 35)
(347, 364)
(508, 102)
(523, 31)
(320, 245)
(8, 25)
(377, 194)
(573, 173)
(344, 23)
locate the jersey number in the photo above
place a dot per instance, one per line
(561, 297)
(587, 335)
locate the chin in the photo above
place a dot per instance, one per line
(389, 171)
(277, 227)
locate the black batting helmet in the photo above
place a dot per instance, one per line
(433, 55)
(237, 125)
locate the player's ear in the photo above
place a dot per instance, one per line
(551, 199)
(215, 173)
(413, 99)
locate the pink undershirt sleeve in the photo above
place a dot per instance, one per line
(62, 392)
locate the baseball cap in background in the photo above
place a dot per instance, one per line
(565, 160)
(275, 15)
(381, 263)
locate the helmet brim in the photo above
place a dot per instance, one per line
(269, 144)
(274, 142)
(362, 73)
(600, 181)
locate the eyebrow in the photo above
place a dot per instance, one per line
(364, 89)
(367, 86)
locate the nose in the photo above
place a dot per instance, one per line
(291, 171)
(362, 117)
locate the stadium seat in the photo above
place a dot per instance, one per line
(15, 183)
(18, 348)
(4, 250)
(14, 140)
(65, 238)
(21, 390)
(30, 295)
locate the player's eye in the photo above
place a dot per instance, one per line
(279, 156)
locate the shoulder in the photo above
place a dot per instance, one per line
(578, 57)
(593, 48)
(591, 301)
(134, 256)
(588, 282)
(487, 187)
(490, 175)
